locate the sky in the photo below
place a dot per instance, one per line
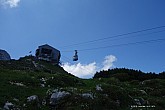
(98, 29)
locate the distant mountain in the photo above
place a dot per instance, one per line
(29, 84)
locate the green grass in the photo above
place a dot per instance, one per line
(56, 77)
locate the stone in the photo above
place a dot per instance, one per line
(17, 84)
(55, 90)
(49, 92)
(16, 100)
(44, 102)
(143, 92)
(43, 79)
(35, 65)
(42, 85)
(43, 82)
(137, 101)
(145, 81)
(117, 103)
(8, 106)
(140, 101)
(98, 88)
(87, 95)
(32, 98)
(56, 96)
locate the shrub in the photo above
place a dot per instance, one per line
(117, 93)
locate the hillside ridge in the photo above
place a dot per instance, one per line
(29, 84)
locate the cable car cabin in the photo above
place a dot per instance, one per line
(75, 57)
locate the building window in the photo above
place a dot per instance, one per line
(46, 51)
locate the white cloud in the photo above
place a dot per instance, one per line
(108, 62)
(88, 70)
(10, 3)
(80, 70)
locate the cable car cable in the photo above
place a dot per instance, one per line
(155, 32)
(117, 45)
(125, 34)
(132, 43)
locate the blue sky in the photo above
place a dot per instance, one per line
(26, 24)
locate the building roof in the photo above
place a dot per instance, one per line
(46, 45)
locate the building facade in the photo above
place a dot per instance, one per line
(48, 53)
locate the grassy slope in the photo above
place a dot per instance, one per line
(56, 77)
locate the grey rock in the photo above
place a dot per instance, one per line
(137, 102)
(33, 98)
(56, 96)
(143, 92)
(117, 102)
(16, 100)
(145, 81)
(98, 88)
(87, 95)
(8, 106)
(141, 101)
(42, 85)
(4, 55)
(44, 102)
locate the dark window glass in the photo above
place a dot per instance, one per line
(46, 51)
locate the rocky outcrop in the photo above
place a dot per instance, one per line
(56, 96)
(4, 55)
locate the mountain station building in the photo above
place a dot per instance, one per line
(48, 53)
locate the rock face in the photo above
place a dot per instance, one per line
(4, 55)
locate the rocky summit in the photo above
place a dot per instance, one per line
(4, 55)
(30, 84)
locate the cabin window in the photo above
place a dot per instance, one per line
(46, 51)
